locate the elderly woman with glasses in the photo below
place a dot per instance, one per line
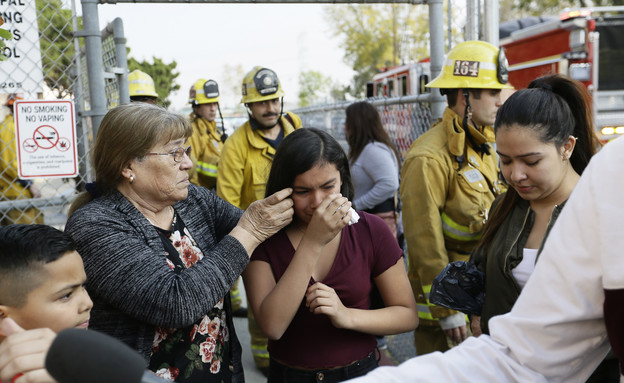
(161, 254)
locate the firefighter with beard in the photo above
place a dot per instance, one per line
(246, 159)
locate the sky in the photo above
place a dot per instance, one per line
(205, 38)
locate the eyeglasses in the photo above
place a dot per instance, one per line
(178, 154)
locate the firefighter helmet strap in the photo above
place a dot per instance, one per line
(483, 148)
(224, 135)
(467, 110)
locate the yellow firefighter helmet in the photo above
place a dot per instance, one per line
(261, 84)
(204, 92)
(141, 84)
(473, 65)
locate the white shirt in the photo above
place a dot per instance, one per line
(525, 268)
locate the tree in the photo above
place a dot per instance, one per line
(164, 76)
(57, 46)
(4, 35)
(377, 36)
(313, 86)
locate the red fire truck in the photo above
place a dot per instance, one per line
(587, 45)
(403, 80)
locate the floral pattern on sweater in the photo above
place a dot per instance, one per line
(199, 351)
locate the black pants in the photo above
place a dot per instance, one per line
(279, 373)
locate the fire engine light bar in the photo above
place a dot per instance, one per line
(570, 14)
(609, 130)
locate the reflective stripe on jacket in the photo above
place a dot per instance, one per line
(245, 162)
(447, 188)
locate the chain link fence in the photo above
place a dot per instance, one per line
(53, 36)
(46, 61)
(404, 118)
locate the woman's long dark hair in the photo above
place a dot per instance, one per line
(300, 151)
(556, 107)
(363, 125)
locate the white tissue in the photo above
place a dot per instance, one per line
(354, 216)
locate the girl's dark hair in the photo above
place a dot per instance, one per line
(300, 151)
(363, 125)
(556, 107)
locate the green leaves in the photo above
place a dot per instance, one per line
(312, 86)
(164, 76)
(57, 44)
(378, 36)
(4, 35)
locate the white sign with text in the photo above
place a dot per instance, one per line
(46, 139)
(22, 71)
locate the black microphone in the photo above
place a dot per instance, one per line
(78, 356)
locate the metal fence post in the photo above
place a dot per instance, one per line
(122, 62)
(491, 21)
(82, 124)
(436, 49)
(95, 70)
(472, 20)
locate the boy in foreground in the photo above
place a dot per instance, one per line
(41, 293)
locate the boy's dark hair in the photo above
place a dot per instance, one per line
(23, 250)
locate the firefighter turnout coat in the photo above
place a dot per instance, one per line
(10, 186)
(246, 161)
(447, 188)
(206, 147)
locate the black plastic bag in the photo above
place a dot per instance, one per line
(460, 286)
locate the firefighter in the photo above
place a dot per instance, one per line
(207, 139)
(206, 145)
(247, 157)
(450, 177)
(11, 187)
(141, 87)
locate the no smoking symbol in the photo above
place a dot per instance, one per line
(46, 137)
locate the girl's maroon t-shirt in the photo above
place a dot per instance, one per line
(366, 250)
